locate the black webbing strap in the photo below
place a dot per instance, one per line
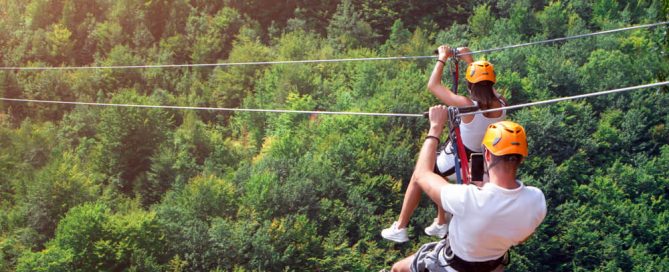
(464, 266)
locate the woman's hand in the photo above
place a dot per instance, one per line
(445, 52)
(468, 57)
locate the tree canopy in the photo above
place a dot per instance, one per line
(127, 189)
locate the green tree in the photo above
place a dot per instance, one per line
(195, 149)
(347, 29)
(212, 36)
(105, 36)
(41, 13)
(52, 259)
(91, 238)
(209, 190)
(128, 137)
(113, 80)
(553, 20)
(282, 244)
(481, 21)
(187, 214)
(56, 188)
(399, 36)
(46, 86)
(231, 85)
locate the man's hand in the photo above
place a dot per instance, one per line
(438, 116)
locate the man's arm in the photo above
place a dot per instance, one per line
(426, 179)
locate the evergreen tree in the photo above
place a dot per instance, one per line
(347, 29)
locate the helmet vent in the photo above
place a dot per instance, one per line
(496, 141)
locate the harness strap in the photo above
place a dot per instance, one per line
(462, 154)
(454, 135)
(464, 266)
(458, 147)
(461, 265)
(456, 73)
(461, 162)
(454, 148)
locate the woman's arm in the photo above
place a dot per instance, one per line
(440, 91)
(468, 57)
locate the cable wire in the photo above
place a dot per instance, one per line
(227, 64)
(209, 108)
(550, 101)
(566, 38)
(333, 112)
(222, 64)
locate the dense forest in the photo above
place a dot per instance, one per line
(87, 188)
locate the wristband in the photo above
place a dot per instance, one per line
(433, 137)
(441, 61)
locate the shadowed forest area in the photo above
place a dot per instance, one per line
(87, 188)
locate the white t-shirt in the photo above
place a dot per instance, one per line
(487, 221)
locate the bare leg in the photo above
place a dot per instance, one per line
(411, 199)
(403, 265)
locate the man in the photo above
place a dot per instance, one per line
(487, 220)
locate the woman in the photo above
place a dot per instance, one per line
(480, 77)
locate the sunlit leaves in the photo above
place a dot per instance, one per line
(210, 190)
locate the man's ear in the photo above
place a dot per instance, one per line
(486, 155)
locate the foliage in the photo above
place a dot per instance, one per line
(58, 187)
(347, 29)
(91, 238)
(138, 189)
(127, 138)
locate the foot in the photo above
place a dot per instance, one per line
(395, 234)
(437, 230)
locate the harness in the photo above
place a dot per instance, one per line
(461, 265)
(458, 148)
(438, 256)
(461, 161)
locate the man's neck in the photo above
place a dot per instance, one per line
(506, 180)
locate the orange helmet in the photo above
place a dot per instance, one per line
(505, 138)
(480, 71)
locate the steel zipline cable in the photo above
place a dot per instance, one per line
(208, 108)
(225, 64)
(550, 101)
(566, 38)
(196, 65)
